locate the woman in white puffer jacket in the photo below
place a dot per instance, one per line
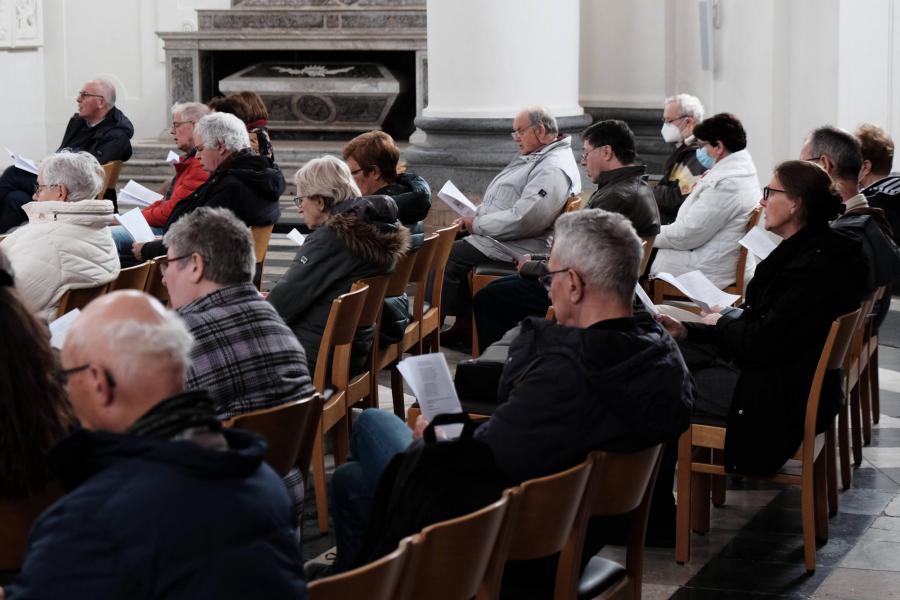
(714, 216)
(66, 243)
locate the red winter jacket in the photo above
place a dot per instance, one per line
(189, 175)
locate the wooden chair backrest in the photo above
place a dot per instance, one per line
(337, 341)
(378, 580)
(742, 254)
(449, 559)
(446, 237)
(400, 277)
(371, 311)
(17, 515)
(283, 427)
(132, 278)
(154, 286)
(79, 298)
(551, 314)
(261, 236)
(111, 172)
(572, 204)
(648, 250)
(419, 274)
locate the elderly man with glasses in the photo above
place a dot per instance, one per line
(518, 209)
(98, 128)
(682, 169)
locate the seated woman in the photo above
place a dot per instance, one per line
(352, 237)
(66, 243)
(754, 365)
(714, 216)
(258, 124)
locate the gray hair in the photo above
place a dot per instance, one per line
(133, 348)
(327, 177)
(602, 247)
(78, 171)
(223, 240)
(538, 115)
(191, 111)
(841, 147)
(107, 89)
(689, 106)
(223, 128)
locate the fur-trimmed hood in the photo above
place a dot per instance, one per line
(368, 226)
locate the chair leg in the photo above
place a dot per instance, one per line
(821, 498)
(318, 469)
(718, 484)
(341, 440)
(808, 513)
(855, 427)
(874, 386)
(843, 433)
(700, 496)
(831, 470)
(866, 405)
(397, 391)
(683, 508)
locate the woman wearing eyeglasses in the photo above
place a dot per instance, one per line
(66, 243)
(754, 365)
(352, 237)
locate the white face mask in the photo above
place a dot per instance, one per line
(671, 133)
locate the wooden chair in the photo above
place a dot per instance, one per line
(154, 285)
(283, 427)
(872, 363)
(360, 387)
(449, 559)
(261, 236)
(333, 374)
(17, 515)
(663, 291)
(132, 278)
(693, 504)
(538, 522)
(869, 395)
(572, 204)
(379, 580)
(79, 298)
(620, 484)
(111, 172)
(431, 307)
(648, 251)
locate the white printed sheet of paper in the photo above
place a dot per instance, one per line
(456, 200)
(134, 194)
(60, 328)
(428, 376)
(136, 225)
(646, 301)
(172, 157)
(296, 237)
(512, 254)
(757, 242)
(20, 162)
(698, 288)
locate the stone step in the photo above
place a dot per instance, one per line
(324, 4)
(313, 18)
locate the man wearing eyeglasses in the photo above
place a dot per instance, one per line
(682, 169)
(98, 128)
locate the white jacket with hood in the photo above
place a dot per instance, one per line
(64, 245)
(709, 224)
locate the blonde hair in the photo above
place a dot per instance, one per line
(326, 177)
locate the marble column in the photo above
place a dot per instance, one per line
(488, 59)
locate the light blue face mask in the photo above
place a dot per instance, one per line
(705, 159)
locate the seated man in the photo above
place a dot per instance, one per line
(682, 169)
(602, 377)
(98, 128)
(160, 500)
(608, 156)
(518, 208)
(189, 175)
(239, 179)
(244, 355)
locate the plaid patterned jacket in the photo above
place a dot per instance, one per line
(244, 355)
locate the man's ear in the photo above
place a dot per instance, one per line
(197, 267)
(574, 286)
(865, 170)
(63, 192)
(827, 164)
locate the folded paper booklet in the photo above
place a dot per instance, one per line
(758, 242)
(136, 225)
(296, 237)
(59, 328)
(428, 376)
(698, 288)
(646, 301)
(134, 194)
(512, 254)
(20, 162)
(456, 200)
(172, 157)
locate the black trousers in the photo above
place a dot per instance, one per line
(16, 189)
(504, 303)
(456, 297)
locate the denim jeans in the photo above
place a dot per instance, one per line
(377, 437)
(124, 242)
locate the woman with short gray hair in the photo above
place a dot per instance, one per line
(66, 243)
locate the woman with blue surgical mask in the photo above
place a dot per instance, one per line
(704, 236)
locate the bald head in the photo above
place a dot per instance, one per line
(126, 353)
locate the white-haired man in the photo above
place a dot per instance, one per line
(239, 179)
(161, 501)
(98, 128)
(518, 209)
(682, 169)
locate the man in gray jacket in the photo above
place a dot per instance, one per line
(518, 209)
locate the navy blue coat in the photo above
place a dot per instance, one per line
(146, 518)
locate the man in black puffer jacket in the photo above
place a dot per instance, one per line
(239, 179)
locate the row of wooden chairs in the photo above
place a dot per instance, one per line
(145, 277)
(465, 557)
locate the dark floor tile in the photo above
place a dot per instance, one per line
(770, 547)
(873, 479)
(686, 593)
(893, 473)
(888, 438)
(729, 575)
(864, 501)
(775, 519)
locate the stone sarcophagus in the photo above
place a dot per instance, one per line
(348, 96)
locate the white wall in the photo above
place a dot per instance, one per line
(22, 103)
